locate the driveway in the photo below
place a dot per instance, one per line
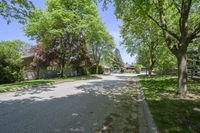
(104, 104)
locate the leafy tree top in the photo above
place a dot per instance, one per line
(17, 9)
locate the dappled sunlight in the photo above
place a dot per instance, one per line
(123, 108)
(75, 112)
(170, 112)
(98, 105)
(34, 90)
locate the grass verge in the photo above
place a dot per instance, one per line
(43, 81)
(172, 114)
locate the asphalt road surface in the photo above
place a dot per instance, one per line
(81, 106)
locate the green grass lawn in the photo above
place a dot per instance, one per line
(172, 114)
(43, 81)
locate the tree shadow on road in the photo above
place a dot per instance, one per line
(123, 110)
(37, 89)
(103, 106)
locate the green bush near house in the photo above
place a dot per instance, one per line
(10, 62)
(137, 68)
(82, 71)
(122, 70)
(92, 70)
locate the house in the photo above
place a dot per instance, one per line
(27, 60)
(51, 70)
(107, 70)
(129, 67)
(30, 72)
(144, 69)
(132, 68)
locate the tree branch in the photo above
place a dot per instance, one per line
(195, 33)
(185, 10)
(164, 28)
(176, 5)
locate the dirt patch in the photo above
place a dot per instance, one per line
(189, 96)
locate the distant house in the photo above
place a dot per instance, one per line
(107, 70)
(32, 73)
(50, 71)
(27, 60)
(144, 69)
(132, 68)
(129, 67)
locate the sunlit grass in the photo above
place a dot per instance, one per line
(172, 114)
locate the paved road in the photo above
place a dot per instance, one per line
(80, 106)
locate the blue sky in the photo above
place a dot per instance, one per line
(14, 29)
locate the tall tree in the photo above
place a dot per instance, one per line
(100, 43)
(178, 21)
(147, 55)
(62, 27)
(40, 59)
(145, 41)
(118, 63)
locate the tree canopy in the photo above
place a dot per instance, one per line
(70, 29)
(117, 63)
(178, 22)
(10, 61)
(17, 9)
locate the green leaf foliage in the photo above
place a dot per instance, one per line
(72, 31)
(117, 63)
(10, 62)
(17, 9)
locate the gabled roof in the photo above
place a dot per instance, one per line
(129, 66)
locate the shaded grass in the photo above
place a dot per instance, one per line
(43, 81)
(172, 114)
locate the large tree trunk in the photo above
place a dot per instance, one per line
(182, 74)
(192, 72)
(97, 68)
(38, 73)
(151, 69)
(62, 69)
(152, 64)
(150, 72)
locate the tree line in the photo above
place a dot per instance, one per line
(68, 33)
(173, 24)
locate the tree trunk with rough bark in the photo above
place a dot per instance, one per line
(62, 69)
(97, 68)
(182, 74)
(38, 73)
(185, 38)
(150, 72)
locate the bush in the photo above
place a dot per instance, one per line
(122, 70)
(137, 68)
(10, 64)
(92, 70)
(82, 71)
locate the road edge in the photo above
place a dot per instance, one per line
(145, 119)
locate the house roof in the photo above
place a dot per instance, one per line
(129, 66)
